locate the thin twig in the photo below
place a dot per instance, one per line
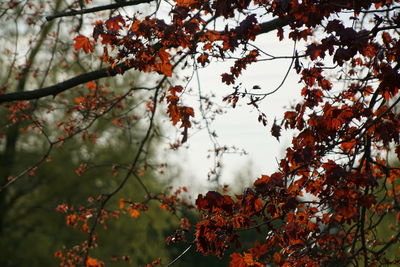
(180, 255)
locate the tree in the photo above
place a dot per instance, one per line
(33, 231)
(334, 186)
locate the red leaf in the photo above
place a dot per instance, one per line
(164, 55)
(212, 200)
(237, 260)
(164, 68)
(203, 59)
(228, 78)
(82, 42)
(185, 3)
(114, 23)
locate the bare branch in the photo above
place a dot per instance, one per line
(274, 24)
(68, 84)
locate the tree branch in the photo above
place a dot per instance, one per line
(106, 72)
(97, 9)
(274, 24)
(63, 86)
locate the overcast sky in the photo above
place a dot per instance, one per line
(239, 127)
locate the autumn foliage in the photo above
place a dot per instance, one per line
(338, 179)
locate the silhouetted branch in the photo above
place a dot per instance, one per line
(274, 24)
(97, 9)
(63, 86)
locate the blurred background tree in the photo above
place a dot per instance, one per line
(31, 230)
(36, 54)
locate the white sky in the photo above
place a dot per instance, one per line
(239, 127)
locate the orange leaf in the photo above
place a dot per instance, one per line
(348, 145)
(164, 206)
(277, 258)
(135, 26)
(79, 100)
(185, 3)
(134, 213)
(237, 260)
(121, 203)
(91, 85)
(114, 23)
(164, 55)
(164, 68)
(386, 38)
(258, 205)
(82, 42)
(91, 262)
(211, 36)
(203, 59)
